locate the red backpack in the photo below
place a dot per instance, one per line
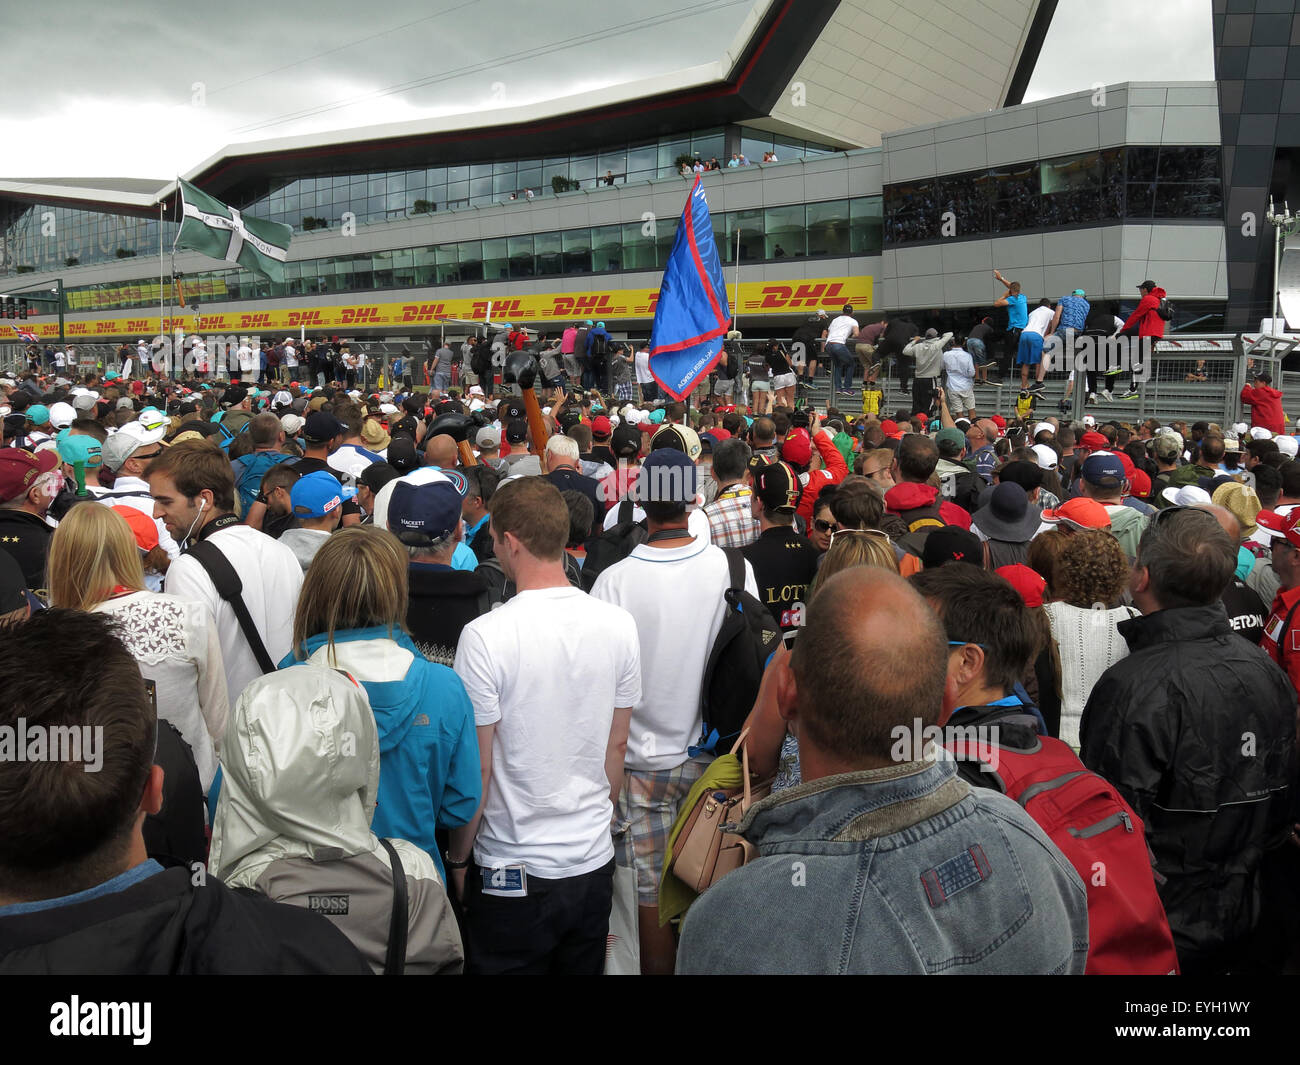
(1101, 836)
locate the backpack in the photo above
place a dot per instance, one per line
(1165, 309)
(1101, 836)
(227, 437)
(920, 522)
(249, 482)
(613, 545)
(734, 669)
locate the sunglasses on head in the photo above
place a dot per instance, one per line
(858, 532)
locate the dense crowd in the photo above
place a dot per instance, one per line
(428, 677)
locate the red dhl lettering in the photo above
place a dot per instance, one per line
(305, 318)
(137, 325)
(77, 327)
(218, 321)
(422, 312)
(654, 302)
(502, 310)
(105, 327)
(776, 295)
(248, 321)
(813, 295)
(357, 315)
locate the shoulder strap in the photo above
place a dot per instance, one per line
(395, 959)
(231, 589)
(735, 569)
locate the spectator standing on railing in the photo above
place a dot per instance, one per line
(1264, 400)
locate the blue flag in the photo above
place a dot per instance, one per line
(692, 316)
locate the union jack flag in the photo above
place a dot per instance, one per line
(26, 334)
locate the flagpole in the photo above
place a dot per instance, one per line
(735, 310)
(161, 272)
(177, 356)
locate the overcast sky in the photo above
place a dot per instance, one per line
(116, 94)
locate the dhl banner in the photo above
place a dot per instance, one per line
(756, 298)
(208, 289)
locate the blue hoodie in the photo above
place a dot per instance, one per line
(429, 774)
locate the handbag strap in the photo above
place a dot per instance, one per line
(395, 959)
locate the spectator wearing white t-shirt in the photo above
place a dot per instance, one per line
(553, 675)
(673, 584)
(1029, 351)
(837, 334)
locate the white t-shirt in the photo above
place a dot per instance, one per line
(248, 360)
(697, 522)
(271, 577)
(134, 492)
(1040, 318)
(290, 356)
(175, 644)
(670, 593)
(60, 358)
(548, 668)
(642, 363)
(841, 329)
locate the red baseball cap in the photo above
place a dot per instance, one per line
(1079, 513)
(600, 426)
(999, 421)
(1094, 441)
(797, 449)
(143, 527)
(1139, 483)
(1026, 581)
(890, 428)
(18, 469)
(1281, 525)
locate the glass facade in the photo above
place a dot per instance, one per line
(836, 228)
(1114, 185)
(46, 237)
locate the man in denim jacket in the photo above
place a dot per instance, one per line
(883, 860)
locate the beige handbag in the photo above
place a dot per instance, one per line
(704, 851)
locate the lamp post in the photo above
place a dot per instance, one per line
(1283, 225)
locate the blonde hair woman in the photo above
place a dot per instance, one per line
(94, 565)
(855, 547)
(350, 617)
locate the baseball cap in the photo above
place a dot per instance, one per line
(951, 435)
(1139, 484)
(124, 443)
(143, 527)
(1047, 459)
(1079, 513)
(1280, 526)
(999, 421)
(38, 414)
(233, 395)
(18, 469)
(930, 334)
(402, 455)
(1148, 283)
(321, 426)
(512, 410)
(821, 313)
(292, 424)
(488, 439)
(680, 437)
(601, 427)
(667, 476)
(516, 432)
(1026, 581)
(75, 448)
(1263, 375)
(1105, 471)
(890, 428)
(420, 514)
(797, 448)
(625, 442)
(1079, 292)
(777, 486)
(62, 415)
(317, 495)
(1288, 445)
(154, 421)
(1187, 495)
(951, 543)
(1257, 433)
(1093, 442)
(1042, 427)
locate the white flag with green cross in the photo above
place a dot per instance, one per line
(211, 227)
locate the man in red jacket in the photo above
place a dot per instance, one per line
(1145, 321)
(1265, 403)
(913, 498)
(798, 452)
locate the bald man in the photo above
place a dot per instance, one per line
(878, 836)
(441, 452)
(1246, 608)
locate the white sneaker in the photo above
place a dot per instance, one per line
(1105, 392)
(1092, 397)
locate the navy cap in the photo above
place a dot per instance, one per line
(420, 514)
(317, 495)
(667, 476)
(322, 426)
(1105, 471)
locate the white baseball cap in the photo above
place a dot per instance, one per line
(62, 415)
(1260, 433)
(124, 443)
(1288, 445)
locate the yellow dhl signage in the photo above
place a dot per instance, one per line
(757, 298)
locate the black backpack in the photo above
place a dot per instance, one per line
(613, 545)
(1166, 310)
(734, 670)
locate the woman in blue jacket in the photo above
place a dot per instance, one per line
(349, 617)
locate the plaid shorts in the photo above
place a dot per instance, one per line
(649, 803)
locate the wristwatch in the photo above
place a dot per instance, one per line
(451, 864)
